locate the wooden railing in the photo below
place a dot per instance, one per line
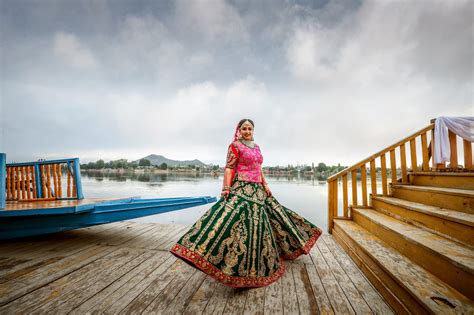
(42, 180)
(420, 151)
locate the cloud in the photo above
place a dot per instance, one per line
(330, 81)
(211, 20)
(73, 52)
(386, 40)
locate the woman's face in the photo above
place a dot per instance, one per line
(246, 131)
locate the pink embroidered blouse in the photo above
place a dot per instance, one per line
(246, 162)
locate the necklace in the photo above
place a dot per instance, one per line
(248, 143)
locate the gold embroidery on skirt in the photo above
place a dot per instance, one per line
(216, 213)
(185, 241)
(223, 230)
(242, 270)
(253, 271)
(202, 248)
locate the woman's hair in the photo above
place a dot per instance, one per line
(244, 120)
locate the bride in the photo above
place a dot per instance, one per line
(244, 237)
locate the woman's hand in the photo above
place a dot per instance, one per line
(225, 192)
(267, 190)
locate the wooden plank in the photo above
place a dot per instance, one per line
(454, 149)
(29, 248)
(48, 180)
(467, 154)
(143, 287)
(304, 292)
(116, 291)
(383, 166)
(201, 297)
(330, 205)
(60, 184)
(373, 177)
(414, 163)
(9, 180)
(236, 301)
(22, 266)
(365, 288)
(33, 181)
(355, 299)
(288, 289)
(68, 187)
(255, 303)
(336, 296)
(324, 305)
(354, 187)
(74, 293)
(161, 290)
(424, 152)
(363, 171)
(173, 238)
(12, 291)
(273, 299)
(393, 166)
(164, 236)
(29, 194)
(409, 276)
(336, 197)
(218, 301)
(22, 184)
(344, 196)
(128, 233)
(55, 180)
(403, 163)
(184, 296)
(149, 238)
(13, 183)
(188, 277)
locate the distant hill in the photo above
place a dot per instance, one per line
(159, 159)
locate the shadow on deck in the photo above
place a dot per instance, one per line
(126, 267)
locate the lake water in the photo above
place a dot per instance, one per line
(305, 196)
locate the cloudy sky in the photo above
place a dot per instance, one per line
(331, 81)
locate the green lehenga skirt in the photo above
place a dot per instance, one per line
(242, 241)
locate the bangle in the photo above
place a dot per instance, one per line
(226, 187)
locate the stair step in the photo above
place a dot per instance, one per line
(398, 278)
(461, 180)
(450, 261)
(451, 223)
(449, 198)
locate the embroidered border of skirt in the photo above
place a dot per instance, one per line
(306, 248)
(242, 282)
(231, 281)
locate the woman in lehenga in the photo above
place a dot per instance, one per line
(242, 240)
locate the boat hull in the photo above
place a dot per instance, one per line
(37, 221)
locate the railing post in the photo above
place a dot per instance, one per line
(330, 206)
(77, 179)
(3, 176)
(39, 180)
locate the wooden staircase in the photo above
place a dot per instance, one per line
(415, 239)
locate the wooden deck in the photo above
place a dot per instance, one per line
(125, 267)
(42, 204)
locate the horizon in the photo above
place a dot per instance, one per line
(325, 80)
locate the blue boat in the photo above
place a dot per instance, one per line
(46, 197)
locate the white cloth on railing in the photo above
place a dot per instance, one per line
(462, 126)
